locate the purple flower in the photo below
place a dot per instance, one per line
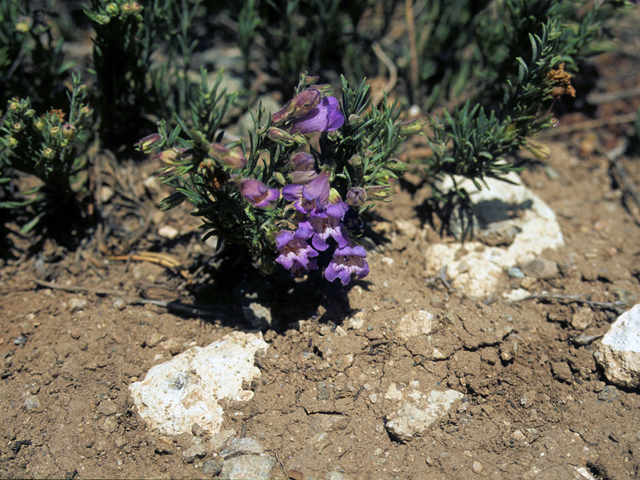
(312, 198)
(347, 260)
(326, 116)
(295, 252)
(226, 156)
(257, 193)
(322, 226)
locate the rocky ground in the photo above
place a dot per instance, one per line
(410, 373)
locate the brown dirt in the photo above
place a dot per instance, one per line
(536, 405)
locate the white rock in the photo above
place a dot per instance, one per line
(416, 323)
(619, 351)
(185, 390)
(414, 418)
(167, 231)
(477, 272)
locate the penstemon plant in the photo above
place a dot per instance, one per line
(285, 198)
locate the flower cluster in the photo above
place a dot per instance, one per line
(321, 217)
(321, 213)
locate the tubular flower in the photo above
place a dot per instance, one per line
(320, 228)
(295, 253)
(226, 156)
(257, 193)
(325, 117)
(347, 260)
(312, 198)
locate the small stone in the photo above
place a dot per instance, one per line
(541, 268)
(619, 350)
(221, 440)
(106, 193)
(77, 303)
(256, 467)
(257, 315)
(415, 324)
(212, 468)
(107, 408)
(477, 467)
(119, 442)
(32, 404)
(242, 446)
(195, 451)
(154, 338)
(75, 334)
(519, 436)
(336, 476)
(561, 371)
(582, 318)
(515, 272)
(528, 398)
(119, 304)
(169, 232)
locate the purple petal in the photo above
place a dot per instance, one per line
(292, 192)
(325, 117)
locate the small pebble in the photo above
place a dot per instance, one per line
(119, 304)
(541, 268)
(515, 272)
(212, 468)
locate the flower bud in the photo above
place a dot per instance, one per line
(355, 160)
(356, 196)
(126, 8)
(14, 106)
(112, 8)
(149, 141)
(226, 156)
(279, 177)
(283, 138)
(30, 113)
(301, 104)
(54, 131)
(412, 127)
(22, 26)
(17, 127)
(39, 125)
(12, 142)
(539, 150)
(47, 153)
(68, 131)
(173, 156)
(136, 7)
(379, 192)
(354, 120)
(302, 161)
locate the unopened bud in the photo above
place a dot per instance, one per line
(226, 156)
(354, 120)
(301, 104)
(30, 113)
(126, 8)
(356, 196)
(17, 127)
(68, 131)
(12, 142)
(173, 156)
(47, 153)
(279, 177)
(412, 127)
(302, 161)
(14, 106)
(136, 7)
(539, 150)
(355, 160)
(39, 125)
(283, 138)
(22, 27)
(379, 192)
(145, 144)
(112, 8)
(54, 131)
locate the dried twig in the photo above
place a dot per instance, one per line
(589, 125)
(617, 307)
(176, 307)
(618, 173)
(163, 259)
(411, 31)
(441, 276)
(393, 72)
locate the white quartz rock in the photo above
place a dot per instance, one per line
(477, 271)
(421, 410)
(619, 351)
(185, 390)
